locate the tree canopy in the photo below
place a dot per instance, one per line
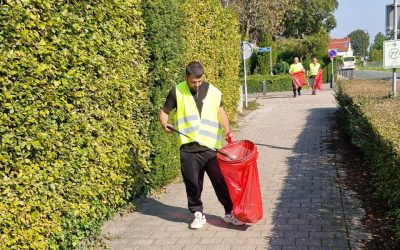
(259, 16)
(359, 41)
(307, 17)
(378, 41)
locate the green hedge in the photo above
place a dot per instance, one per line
(275, 83)
(73, 117)
(371, 119)
(79, 136)
(212, 37)
(164, 20)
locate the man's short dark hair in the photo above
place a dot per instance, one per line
(194, 69)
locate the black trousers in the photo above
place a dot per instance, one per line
(193, 167)
(294, 89)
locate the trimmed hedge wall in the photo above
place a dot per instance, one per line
(73, 117)
(212, 37)
(372, 119)
(81, 86)
(275, 83)
(164, 20)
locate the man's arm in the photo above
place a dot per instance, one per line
(164, 114)
(223, 119)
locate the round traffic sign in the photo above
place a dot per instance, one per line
(247, 50)
(332, 53)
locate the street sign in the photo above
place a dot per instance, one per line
(390, 19)
(391, 54)
(247, 50)
(266, 49)
(332, 53)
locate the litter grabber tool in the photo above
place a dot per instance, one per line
(216, 150)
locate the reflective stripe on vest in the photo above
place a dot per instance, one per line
(205, 130)
(314, 69)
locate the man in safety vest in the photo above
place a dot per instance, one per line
(200, 115)
(296, 67)
(312, 73)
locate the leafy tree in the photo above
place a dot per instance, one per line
(307, 17)
(303, 48)
(376, 55)
(359, 41)
(378, 41)
(257, 17)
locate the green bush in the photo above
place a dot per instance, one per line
(73, 118)
(371, 119)
(281, 68)
(275, 83)
(212, 37)
(163, 22)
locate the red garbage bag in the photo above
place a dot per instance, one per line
(241, 176)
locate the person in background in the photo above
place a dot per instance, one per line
(312, 74)
(200, 115)
(295, 68)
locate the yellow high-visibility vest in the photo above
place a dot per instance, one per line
(205, 130)
(296, 67)
(314, 69)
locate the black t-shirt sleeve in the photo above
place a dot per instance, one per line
(170, 102)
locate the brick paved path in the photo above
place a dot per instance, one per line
(304, 207)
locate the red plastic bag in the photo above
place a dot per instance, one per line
(298, 79)
(318, 80)
(241, 177)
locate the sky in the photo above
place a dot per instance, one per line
(367, 15)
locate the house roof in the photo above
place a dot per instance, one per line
(340, 44)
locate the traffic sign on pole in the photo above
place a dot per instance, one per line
(332, 53)
(266, 49)
(247, 50)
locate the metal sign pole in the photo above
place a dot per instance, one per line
(270, 62)
(245, 83)
(333, 80)
(394, 84)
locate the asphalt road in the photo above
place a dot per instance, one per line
(373, 74)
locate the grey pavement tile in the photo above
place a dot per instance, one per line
(282, 241)
(297, 234)
(187, 241)
(211, 241)
(160, 247)
(245, 247)
(257, 241)
(141, 242)
(165, 241)
(219, 247)
(294, 248)
(308, 242)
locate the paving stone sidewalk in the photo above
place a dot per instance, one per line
(304, 207)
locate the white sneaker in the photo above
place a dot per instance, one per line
(229, 218)
(199, 220)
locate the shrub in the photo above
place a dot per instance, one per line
(163, 22)
(73, 117)
(281, 68)
(275, 83)
(371, 119)
(212, 37)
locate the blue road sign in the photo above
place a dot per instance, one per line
(332, 53)
(266, 49)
